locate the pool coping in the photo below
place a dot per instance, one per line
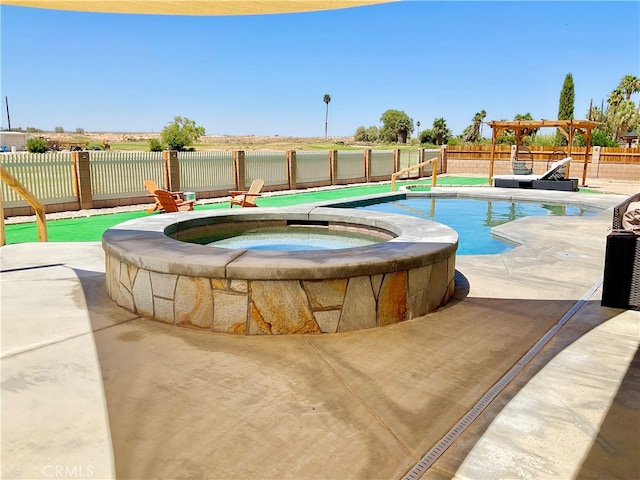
(510, 231)
(144, 242)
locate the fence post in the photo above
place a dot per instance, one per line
(292, 168)
(82, 180)
(396, 160)
(171, 170)
(595, 159)
(443, 159)
(420, 160)
(514, 152)
(333, 166)
(367, 164)
(239, 169)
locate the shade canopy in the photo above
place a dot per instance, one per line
(194, 7)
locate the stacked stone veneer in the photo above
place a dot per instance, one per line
(258, 307)
(268, 300)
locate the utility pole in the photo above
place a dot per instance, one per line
(6, 100)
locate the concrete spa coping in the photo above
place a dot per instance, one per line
(273, 292)
(276, 292)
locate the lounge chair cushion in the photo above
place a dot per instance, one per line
(557, 171)
(631, 217)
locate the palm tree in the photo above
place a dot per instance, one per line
(629, 85)
(473, 134)
(615, 97)
(440, 131)
(326, 99)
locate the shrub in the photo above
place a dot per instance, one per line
(600, 138)
(360, 135)
(37, 145)
(372, 134)
(181, 133)
(155, 145)
(426, 136)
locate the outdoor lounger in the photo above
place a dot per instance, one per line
(552, 179)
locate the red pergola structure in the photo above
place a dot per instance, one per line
(525, 127)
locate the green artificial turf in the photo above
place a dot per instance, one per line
(90, 229)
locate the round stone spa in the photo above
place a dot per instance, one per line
(157, 268)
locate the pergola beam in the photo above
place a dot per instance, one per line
(524, 127)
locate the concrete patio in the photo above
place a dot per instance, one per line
(90, 390)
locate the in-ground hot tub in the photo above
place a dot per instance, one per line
(409, 273)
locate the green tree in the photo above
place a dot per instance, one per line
(58, 130)
(426, 137)
(397, 126)
(596, 115)
(440, 132)
(181, 133)
(622, 115)
(372, 134)
(598, 138)
(155, 145)
(37, 145)
(363, 134)
(326, 99)
(566, 105)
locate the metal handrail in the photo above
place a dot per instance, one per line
(15, 184)
(434, 173)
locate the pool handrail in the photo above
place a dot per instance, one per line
(15, 184)
(434, 172)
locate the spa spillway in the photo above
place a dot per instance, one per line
(151, 270)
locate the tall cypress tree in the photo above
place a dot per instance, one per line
(565, 108)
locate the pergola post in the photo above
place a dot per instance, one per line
(586, 157)
(569, 146)
(494, 137)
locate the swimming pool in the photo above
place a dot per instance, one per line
(473, 219)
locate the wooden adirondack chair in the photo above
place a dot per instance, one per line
(151, 187)
(247, 198)
(170, 204)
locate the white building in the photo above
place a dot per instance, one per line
(13, 141)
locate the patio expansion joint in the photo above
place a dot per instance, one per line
(33, 348)
(430, 458)
(413, 455)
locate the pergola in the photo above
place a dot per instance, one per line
(526, 127)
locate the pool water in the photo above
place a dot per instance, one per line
(295, 238)
(473, 218)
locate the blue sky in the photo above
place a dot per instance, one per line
(267, 74)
